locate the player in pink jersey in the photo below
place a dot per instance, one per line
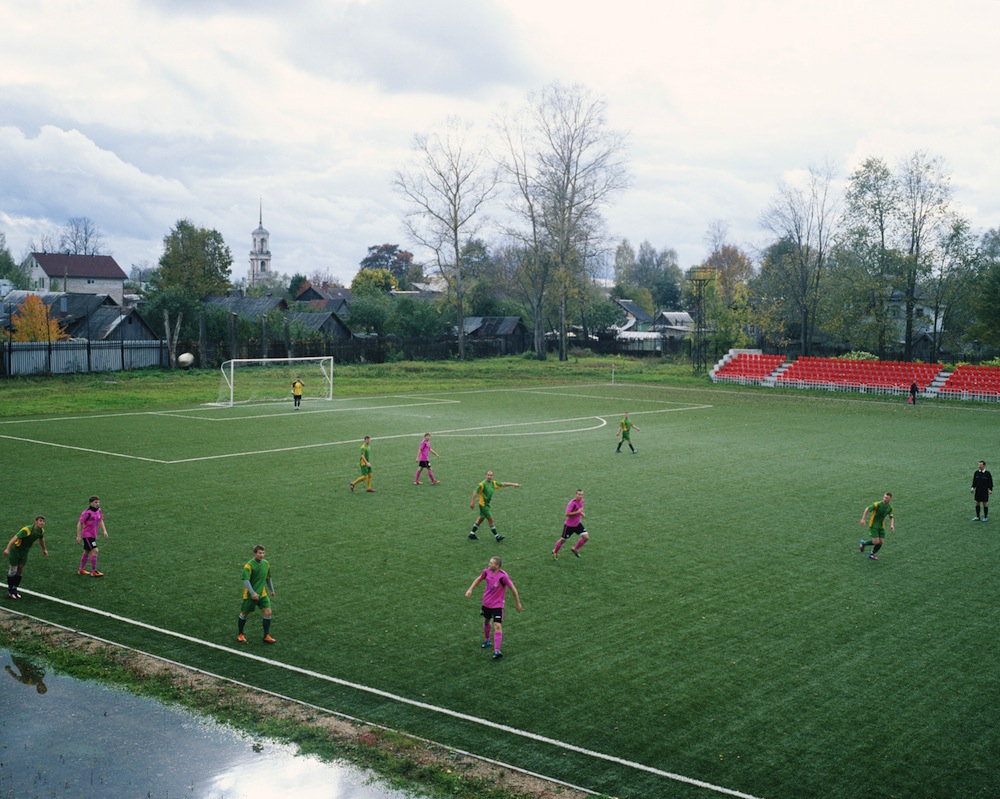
(573, 525)
(497, 582)
(86, 534)
(424, 460)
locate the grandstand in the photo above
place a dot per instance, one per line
(746, 367)
(972, 382)
(886, 377)
(751, 367)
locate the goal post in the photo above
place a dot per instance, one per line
(247, 380)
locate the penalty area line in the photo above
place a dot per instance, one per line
(455, 714)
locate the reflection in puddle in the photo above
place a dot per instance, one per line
(61, 737)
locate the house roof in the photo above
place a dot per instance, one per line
(93, 316)
(492, 325)
(105, 320)
(76, 305)
(308, 292)
(57, 265)
(422, 294)
(318, 321)
(632, 308)
(252, 307)
(338, 306)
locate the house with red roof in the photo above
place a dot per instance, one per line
(77, 274)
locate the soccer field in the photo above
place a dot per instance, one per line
(720, 635)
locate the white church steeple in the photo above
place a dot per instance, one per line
(260, 255)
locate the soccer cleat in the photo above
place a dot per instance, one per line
(351, 486)
(635, 452)
(975, 518)
(473, 537)
(862, 545)
(417, 483)
(96, 573)
(12, 595)
(435, 482)
(555, 555)
(84, 571)
(241, 638)
(269, 640)
(873, 556)
(370, 490)
(575, 552)
(497, 655)
(486, 643)
(499, 538)
(986, 518)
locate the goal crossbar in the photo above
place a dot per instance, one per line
(268, 372)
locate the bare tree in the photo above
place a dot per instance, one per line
(46, 243)
(81, 236)
(447, 185)
(949, 286)
(805, 217)
(925, 195)
(563, 164)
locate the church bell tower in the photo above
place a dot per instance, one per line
(260, 255)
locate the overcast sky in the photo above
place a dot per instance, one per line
(137, 113)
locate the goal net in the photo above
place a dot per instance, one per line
(246, 380)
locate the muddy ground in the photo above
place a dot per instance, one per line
(210, 693)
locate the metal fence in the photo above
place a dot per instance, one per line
(68, 357)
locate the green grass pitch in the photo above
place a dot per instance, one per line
(721, 625)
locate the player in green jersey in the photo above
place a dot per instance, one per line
(366, 466)
(625, 428)
(481, 497)
(880, 511)
(17, 553)
(257, 592)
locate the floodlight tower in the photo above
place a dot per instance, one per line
(700, 277)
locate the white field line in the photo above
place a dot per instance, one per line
(191, 412)
(457, 433)
(300, 702)
(84, 449)
(405, 700)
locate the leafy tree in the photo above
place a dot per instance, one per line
(654, 270)
(295, 285)
(624, 263)
(477, 262)
(949, 287)
(733, 267)
(603, 315)
(180, 304)
(9, 268)
(369, 312)
(399, 263)
(986, 297)
(415, 319)
(195, 260)
(32, 322)
(373, 281)
(482, 300)
(81, 236)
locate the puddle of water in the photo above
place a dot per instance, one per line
(61, 737)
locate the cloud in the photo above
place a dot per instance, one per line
(59, 174)
(437, 47)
